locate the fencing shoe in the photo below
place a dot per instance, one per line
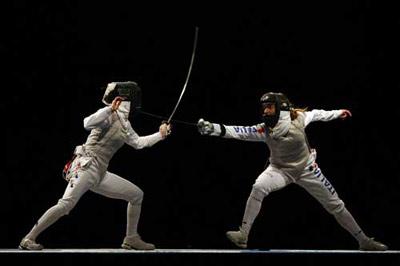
(372, 245)
(28, 244)
(239, 238)
(135, 242)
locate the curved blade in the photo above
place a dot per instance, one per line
(188, 75)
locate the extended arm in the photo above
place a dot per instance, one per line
(322, 115)
(248, 133)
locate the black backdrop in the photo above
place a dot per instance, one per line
(57, 56)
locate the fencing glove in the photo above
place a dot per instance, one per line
(205, 127)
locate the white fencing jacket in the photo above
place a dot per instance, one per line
(289, 152)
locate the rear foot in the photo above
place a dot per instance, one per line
(28, 244)
(372, 245)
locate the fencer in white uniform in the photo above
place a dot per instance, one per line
(291, 161)
(109, 129)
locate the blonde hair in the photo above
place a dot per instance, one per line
(294, 112)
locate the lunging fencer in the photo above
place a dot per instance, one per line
(109, 129)
(291, 160)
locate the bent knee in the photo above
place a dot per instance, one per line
(136, 197)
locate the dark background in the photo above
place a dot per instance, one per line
(57, 56)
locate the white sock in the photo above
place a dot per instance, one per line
(133, 215)
(253, 207)
(47, 219)
(346, 220)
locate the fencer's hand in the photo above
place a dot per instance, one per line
(345, 113)
(165, 129)
(205, 127)
(116, 103)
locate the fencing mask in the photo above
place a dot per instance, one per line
(281, 103)
(129, 90)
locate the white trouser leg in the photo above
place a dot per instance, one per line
(268, 181)
(77, 186)
(315, 183)
(116, 187)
